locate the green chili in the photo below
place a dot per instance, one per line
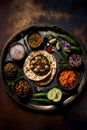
(67, 38)
(41, 94)
(41, 100)
(75, 48)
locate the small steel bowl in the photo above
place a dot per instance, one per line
(17, 53)
(35, 40)
(22, 88)
(10, 68)
(74, 60)
(67, 79)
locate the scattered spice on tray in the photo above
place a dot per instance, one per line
(67, 78)
(9, 68)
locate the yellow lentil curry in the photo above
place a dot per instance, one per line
(34, 40)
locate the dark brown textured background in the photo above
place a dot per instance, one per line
(69, 14)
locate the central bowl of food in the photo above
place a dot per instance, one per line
(39, 66)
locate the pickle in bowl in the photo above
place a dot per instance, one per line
(10, 68)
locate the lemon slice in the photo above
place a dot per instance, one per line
(54, 94)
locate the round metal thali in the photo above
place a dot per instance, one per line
(49, 32)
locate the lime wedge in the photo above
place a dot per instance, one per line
(51, 94)
(58, 46)
(52, 41)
